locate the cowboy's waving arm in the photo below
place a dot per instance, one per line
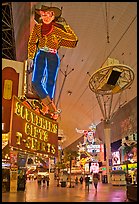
(69, 38)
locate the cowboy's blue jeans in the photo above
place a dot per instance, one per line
(45, 72)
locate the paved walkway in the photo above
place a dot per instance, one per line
(35, 193)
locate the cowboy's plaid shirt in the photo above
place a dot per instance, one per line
(54, 40)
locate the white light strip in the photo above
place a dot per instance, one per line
(3, 124)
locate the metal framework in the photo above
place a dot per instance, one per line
(8, 40)
(98, 81)
(104, 91)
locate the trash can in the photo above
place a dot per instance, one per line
(63, 183)
(104, 179)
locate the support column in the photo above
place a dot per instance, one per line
(13, 171)
(108, 149)
(49, 165)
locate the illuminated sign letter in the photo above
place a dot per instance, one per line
(18, 108)
(18, 135)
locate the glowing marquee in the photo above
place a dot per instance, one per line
(32, 132)
(93, 148)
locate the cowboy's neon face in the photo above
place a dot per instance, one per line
(47, 16)
(90, 136)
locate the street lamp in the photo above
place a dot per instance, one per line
(112, 78)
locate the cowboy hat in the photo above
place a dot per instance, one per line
(56, 10)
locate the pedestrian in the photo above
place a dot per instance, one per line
(58, 179)
(81, 179)
(39, 179)
(50, 32)
(95, 180)
(87, 178)
(76, 180)
(47, 180)
(43, 180)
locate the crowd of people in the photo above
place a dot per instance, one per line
(80, 180)
(43, 180)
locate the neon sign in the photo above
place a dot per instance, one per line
(31, 131)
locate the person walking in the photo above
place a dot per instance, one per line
(39, 180)
(76, 180)
(47, 180)
(43, 180)
(58, 179)
(95, 180)
(81, 179)
(87, 178)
